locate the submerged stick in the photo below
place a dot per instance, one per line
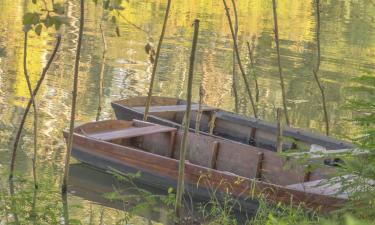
(181, 167)
(27, 77)
(149, 95)
(251, 57)
(234, 77)
(317, 67)
(279, 141)
(239, 61)
(276, 31)
(23, 120)
(101, 75)
(74, 99)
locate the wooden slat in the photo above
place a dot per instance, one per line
(131, 132)
(172, 144)
(215, 152)
(173, 108)
(259, 165)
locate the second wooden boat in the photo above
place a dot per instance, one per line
(170, 112)
(212, 163)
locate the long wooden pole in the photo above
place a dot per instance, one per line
(317, 67)
(27, 109)
(239, 61)
(27, 78)
(276, 31)
(74, 99)
(150, 89)
(181, 169)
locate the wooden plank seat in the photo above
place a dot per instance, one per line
(174, 108)
(131, 132)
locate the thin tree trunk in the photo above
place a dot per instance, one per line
(101, 73)
(234, 76)
(181, 169)
(27, 77)
(149, 96)
(317, 67)
(13, 201)
(200, 111)
(279, 141)
(23, 120)
(251, 57)
(74, 100)
(276, 30)
(239, 61)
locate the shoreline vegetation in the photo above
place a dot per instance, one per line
(48, 197)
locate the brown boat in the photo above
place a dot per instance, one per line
(243, 170)
(221, 123)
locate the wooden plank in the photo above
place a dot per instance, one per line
(215, 153)
(131, 132)
(172, 144)
(259, 166)
(173, 108)
(321, 187)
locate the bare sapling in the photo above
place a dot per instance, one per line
(181, 168)
(239, 60)
(149, 95)
(276, 31)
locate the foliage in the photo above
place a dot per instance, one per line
(46, 17)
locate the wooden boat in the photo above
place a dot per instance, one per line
(170, 112)
(243, 170)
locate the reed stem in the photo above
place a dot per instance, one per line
(317, 67)
(27, 109)
(276, 31)
(239, 60)
(149, 95)
(181, 169)
(252, 64)
(74, 99)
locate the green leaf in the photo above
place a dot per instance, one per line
(58, 8)
(38, 29)
(31, 18)
(113, 19)
(48, 22)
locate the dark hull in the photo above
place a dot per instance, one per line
(234, 127)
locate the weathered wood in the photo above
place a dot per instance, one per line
(131, 132)
(172, 144)
(173, 108)
(259, 166)
(265, 131)
(236, 164)
(215, 152)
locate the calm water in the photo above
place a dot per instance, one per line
(347, 43)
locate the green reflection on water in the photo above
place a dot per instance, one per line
(347, 42)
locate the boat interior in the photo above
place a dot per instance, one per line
(203, 150)
(228, 125)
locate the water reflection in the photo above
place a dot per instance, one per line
(347, 42)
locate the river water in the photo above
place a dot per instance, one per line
(347, 44)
